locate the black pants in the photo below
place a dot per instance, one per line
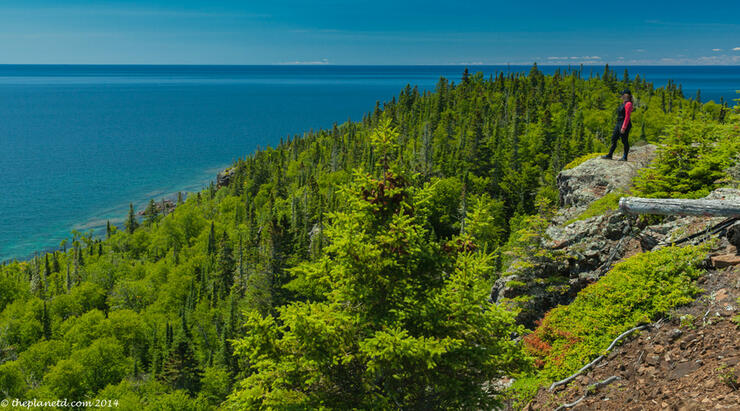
(617, 134)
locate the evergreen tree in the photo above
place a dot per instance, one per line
(46, 323)
(54, 262)
(389, 330)
(131, 222)
(212, 240)
(151, 213)
(181, 370)
(226, 263)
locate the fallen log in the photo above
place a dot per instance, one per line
(679, 206)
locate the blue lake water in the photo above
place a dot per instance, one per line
(78, 143)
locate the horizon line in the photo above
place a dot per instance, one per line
(369, 65)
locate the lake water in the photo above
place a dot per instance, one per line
(78, 143)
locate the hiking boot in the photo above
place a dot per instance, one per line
(623, 159)
(606, 157)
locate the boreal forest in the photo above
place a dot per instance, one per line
(350, 267)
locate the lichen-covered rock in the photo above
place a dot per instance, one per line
(223, 179)
(729, 194)
(597, 177)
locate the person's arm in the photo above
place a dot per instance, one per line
(627, 111)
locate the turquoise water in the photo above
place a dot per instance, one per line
(78, 143)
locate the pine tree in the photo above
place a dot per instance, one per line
(151, 214)
(131, 223)
(68, 279)
(54, 262)
(46, 323)
(212, 240)
(466, 77)
(181, 369)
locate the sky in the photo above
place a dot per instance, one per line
(348, 32)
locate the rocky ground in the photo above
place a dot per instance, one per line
(690, 361)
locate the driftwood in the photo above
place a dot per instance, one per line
(678, 206)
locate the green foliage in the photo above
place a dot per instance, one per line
(393, 329)
(693, 157)
(391, 274)
(526, 239)
(608, 202)
(88, 370)
(728, 376)
(635, 291)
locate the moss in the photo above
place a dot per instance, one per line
(635, 291)
(582, 159)
(516, 284)
(609, 202)
(524, 389)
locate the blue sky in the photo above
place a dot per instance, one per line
(369, 32)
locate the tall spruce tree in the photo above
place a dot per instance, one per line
(131, 222)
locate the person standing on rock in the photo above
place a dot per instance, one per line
(623, 126)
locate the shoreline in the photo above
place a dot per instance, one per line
(98, 220)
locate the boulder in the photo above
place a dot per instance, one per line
(725, 260)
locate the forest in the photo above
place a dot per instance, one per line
(344, 268)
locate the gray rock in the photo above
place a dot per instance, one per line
(223, 179)
(596, 177)
(730, 194)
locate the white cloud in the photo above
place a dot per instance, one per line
(716, 49)
(736, 49)
(574, 58)
(640, 50)
(306, 63)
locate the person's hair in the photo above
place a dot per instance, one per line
(631, 100)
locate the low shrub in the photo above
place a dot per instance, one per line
(635, 291)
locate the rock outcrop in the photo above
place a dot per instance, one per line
(589, 181)
(223, 179)
(578, 252)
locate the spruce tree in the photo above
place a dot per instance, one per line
(151, 214)
(54, 262)
(131, 222)
(46, 323)
(181, 370)
(212, 240)
(226, 263)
